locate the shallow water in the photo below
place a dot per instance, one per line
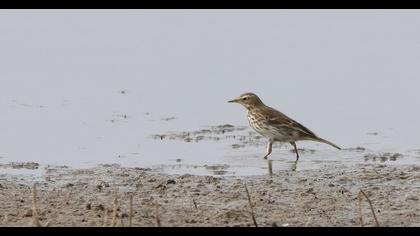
(88, 87)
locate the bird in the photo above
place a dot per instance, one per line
(274, 125)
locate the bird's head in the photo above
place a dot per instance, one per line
(248, 100)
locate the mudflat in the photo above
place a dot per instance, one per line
(100, 196)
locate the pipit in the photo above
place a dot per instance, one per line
(275, 125)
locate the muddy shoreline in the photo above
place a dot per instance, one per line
(323, 197)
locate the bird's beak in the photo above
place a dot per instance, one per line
(234, 100)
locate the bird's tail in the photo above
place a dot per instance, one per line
(327, 142)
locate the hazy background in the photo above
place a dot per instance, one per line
(341, 73)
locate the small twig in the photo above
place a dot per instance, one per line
(130, 219)
(250, 205)
(114, 213)
(359, 196)
(371, 208)
(157, 214)
(35, 220)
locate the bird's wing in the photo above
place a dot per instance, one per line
(275, 117)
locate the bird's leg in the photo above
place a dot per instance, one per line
(269, 147)
(297, 153)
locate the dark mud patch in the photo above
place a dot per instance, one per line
(118, 117)
(213, 133)
(21, 165)
(218, 169)
(383, 157)
(168, 118)
(356, 149)
(215, 169)
(242, 136)
(235, 146)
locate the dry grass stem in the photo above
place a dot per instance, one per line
(114, 213)
(359, 196)
(250, 205)
(157, 214)
(361, 192)
(35, 219)
(130, 216)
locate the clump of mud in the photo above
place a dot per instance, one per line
(217, 169)
(383, 157)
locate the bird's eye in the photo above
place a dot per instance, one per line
(245, 98)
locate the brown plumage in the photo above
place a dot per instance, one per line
(275, 125)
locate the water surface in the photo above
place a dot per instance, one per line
(88, 87)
